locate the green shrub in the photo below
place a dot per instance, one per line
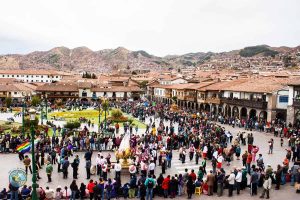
(72, 125)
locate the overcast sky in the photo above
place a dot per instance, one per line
(160, 27)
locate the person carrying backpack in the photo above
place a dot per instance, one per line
(149, 184)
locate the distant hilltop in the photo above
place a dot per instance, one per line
(84, 59)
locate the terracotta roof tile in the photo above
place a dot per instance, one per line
(58, 87)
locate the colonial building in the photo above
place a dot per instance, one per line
(244, 98)
(32, 76)
(87, 91)
(258, 98)
(172, 80)
(16, 91)
(293, 108)
(64, 91)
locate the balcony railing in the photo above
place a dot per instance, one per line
(246, 103)
(62, 95)
(190, 98)
(296, 102)
(209, 100)
(168, 95)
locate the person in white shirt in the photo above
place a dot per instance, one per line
(98, 163)
(215, 154)
(109, 144)
(151, 168)
(49, 193)
(154, 153)
(118, 169)
(104, 171)
(267, 185)
(220, 160)
(66, 193)
(230, 180)
(238, 179)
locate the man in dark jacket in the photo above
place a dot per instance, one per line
(75, 166)
(65, 167)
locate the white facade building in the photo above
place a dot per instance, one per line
(172, 81)
(32, 76)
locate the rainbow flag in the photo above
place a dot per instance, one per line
(25, 147)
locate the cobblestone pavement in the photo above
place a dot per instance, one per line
(11, 161)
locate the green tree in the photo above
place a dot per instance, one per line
(105, 104)
(35, 101)
(8, 101)
(174, 98)
(27, 122)
(116, 113)
(143, 84)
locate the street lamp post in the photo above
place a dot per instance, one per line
(99, 120)
(32, 113)
(105, 110)
(42, 110)
(46, 101)
(23, 117)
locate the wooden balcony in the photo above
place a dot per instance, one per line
(296, 103)
(246, 103)
(63, 95)
(190, 98)
(200, 100)
(168, 95)
(209, 100)
(213, 100)
(181, 98)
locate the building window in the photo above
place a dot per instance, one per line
(12, 75)
(283, 99)
(56, 76)
(17, 75)
(47, 81)
(42, 81)
(231, 95)
(84, 94)
(251, 96)
(3, 75)
(7, 75)
(27, 76)
(42, 76)
(15, 93)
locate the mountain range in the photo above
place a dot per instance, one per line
(84, 59)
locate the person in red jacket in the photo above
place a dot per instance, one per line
(90, 188)
(193, 175)
(165, 186)
(248, 162)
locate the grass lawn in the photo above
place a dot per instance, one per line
(7, 127)
(88, 114)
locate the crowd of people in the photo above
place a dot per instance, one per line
(200, 138)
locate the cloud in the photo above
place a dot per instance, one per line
(160, 27)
